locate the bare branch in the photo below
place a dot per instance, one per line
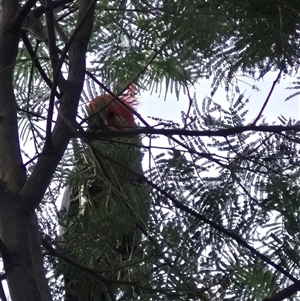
(35, 60)
(268, 97)
(285, 293)
(181, 132)
(43, 171)
(23, 11)
(56, 70)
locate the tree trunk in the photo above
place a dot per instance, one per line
(18, 227)
(22, 259)
(20, 244)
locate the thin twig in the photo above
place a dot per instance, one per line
(51, 41)
(58, 76)
(268, 97)
(36, 61)
(190, 106)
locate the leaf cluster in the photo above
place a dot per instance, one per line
(246, 183)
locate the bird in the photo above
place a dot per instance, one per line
(104, 206)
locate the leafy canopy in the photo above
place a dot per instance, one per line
(224, 209)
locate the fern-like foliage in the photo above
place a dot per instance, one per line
(243, 185)
(240, 186)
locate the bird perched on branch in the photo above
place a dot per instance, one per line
(108, 113)
(105, 205)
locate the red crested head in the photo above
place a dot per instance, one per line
(107, 113)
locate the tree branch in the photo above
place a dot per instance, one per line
(268, 97)
(24, 11)
(3, 249)
(12, 169)
(96, 274)
(91, 272)
(56, 67)
(41, 9)
(35, 60)
(2, 293)
(40, 178)
(218, 133)
(203, 218)
(285, 293)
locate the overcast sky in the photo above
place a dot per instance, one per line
(155, 105)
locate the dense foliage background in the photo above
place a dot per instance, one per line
(223, 222)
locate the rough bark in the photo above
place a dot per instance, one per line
(11, 166)
(17, 256)
(19, 233)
